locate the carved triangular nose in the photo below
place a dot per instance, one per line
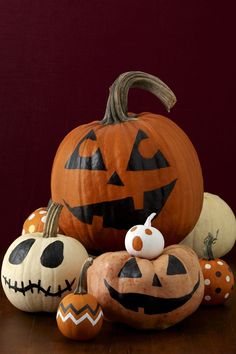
(156, 281)
(115, 180)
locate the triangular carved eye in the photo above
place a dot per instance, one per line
(175, 266)
(130, 270)
(138, 162)
(94, 162)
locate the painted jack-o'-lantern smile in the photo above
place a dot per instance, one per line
(151, 305)
(121, 213)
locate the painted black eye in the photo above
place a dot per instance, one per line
(20, 251)
(130, 270)
(156, 281)
(175, 266)
(94, 162)
(52, 255)
(138, 162)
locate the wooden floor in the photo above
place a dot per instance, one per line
(210, 330)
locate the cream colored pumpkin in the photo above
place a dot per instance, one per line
(39, 269)
(217, 219)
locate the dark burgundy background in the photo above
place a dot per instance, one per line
(58, 59)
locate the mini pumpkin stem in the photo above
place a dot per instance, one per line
(148, 222)
(208, 242)
(117, 104)
(82, 284)
(51, 225)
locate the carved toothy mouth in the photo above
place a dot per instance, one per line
(121, 214)
(151, 305)
(31, 286)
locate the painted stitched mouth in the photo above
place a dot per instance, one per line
(151, 305)
(121, 214)
(31, 286)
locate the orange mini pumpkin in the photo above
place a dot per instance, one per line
(79, 315)
(35, 221)
(146, 293)
(218, 276)
(112, 174)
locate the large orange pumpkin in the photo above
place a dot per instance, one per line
(112, 174)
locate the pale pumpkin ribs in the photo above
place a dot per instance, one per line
(31, 286)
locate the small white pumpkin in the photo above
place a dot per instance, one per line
(39, 269)
(217, 219)
(144, 241)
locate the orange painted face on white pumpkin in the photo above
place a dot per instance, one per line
(144, 241)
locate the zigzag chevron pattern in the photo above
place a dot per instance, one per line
(77, 312)
(81, 319)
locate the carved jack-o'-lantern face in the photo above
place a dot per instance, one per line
(111, 177)
(144, 293)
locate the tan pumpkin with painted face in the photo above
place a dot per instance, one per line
(112, 174)
(147, 293)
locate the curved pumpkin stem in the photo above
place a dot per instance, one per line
(117, 104)
(148, 222)
(82, 284)
(209, 241)
(51, 225)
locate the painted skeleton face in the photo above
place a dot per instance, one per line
(37, 272)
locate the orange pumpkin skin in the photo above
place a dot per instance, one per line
(146, 294)
(218, 279)
(86, 187)
(35, 221)
(79, 316)
(111, 176)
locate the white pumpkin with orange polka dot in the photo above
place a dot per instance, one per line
(144, 241)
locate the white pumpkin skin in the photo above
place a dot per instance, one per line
(144, 241)
(30, 271)
(215, 215)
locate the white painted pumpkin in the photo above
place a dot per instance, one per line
(216, 218)
(39, 269)
(144, 241)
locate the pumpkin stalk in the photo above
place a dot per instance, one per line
(117, 104)
(209, 241)
(82, 284)
(148, 222)
(51, 225)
